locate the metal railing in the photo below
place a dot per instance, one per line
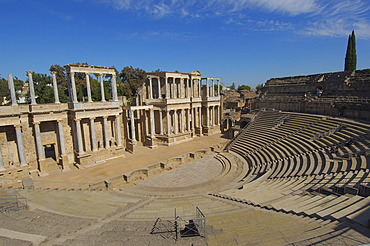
(193, 227)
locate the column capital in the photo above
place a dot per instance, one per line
(29, 72)
(77, 120)
(36, 122)
(53, 73)
(18, 127)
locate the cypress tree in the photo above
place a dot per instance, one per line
(351, 57)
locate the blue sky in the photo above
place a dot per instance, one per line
(241, 41)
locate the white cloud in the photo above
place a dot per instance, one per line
(315, 17)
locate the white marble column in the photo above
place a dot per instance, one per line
(55, 86)
(88, 87)
(175, 122)
(213, 116)
(94, 147)
(213, 88)
(207, 86)
(31, 86)
(182, 121)
(181, 83)
(160, 122)
(150, 88)
(168, 116)
(20, 146)
(39, 147)
(159, 87)
(207, 116)
(188, 119)
(61, 138)
(102, 87)
(106, 132)
(13, 98)
(132, 119)
(79, 136)
(73, 92)
(193, 118)
(151, 114)
(166, 87)
(200, 120)
(114, 87)
(117, 124)
(174, 87)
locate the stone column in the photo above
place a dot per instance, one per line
(31, 86)
(213, 88)
(200, 121)
(218, 87)
(207, 116)
(191, 94)
(20, 146)
(150, 88)
(93, 134)
(199, 88)
(102, 87)
(182, 121)
(174, 87)
(13, 98)
(218, 115)
(40, 151)
(61, 138)
(160, 122)
(1, 160)
(88, 88)
(159, 87)
(181, 83)
(213, 116)
(105, 131)
(117, 124)
(80, 148)
(151, 114)
(188, 119)
(168, 122)
(166, 87)
(207, 88)
(132, 119)
(73, 92)
(55, 87)
(114, 88)
(192, 119)
(175, 122)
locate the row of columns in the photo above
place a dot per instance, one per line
(176, 92)
(73, 92)
(131, 114)
(177, 120)
(72, 87)
(106, 138)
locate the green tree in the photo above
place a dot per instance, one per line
(244, 87)
(233, 86)
(44, 92)
(4, 91)
(259, 87)
(131, 79)
(351, 56)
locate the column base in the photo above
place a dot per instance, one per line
(130, 146)
(64, 162)
(42, 166)
(151, 142)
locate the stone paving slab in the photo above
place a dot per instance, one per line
(35, 239)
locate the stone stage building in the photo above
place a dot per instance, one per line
(36, 139)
